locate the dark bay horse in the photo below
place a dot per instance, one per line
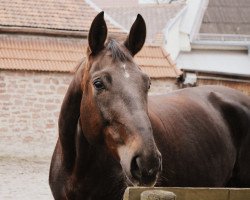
(112, 135)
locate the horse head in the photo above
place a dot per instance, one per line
(114, 111)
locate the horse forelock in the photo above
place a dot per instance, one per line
(118, 51)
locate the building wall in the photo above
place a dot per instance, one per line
(175, 39)
(242, 86)
(153, 1)
(30, 104)
(172, 39)
(161, 86)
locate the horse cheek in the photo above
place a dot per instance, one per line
(111, 143)
(91, 122)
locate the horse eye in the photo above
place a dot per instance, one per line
(98, 84)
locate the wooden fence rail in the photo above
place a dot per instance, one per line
(170, 193)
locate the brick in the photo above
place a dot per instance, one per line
(47, 93)
(54, 81)
(40, 87)
(5, 97)
(56, 114)
(5, 108)
(36, 115)
(2, 85)
(18, 102)
(50, 100)
(61, 90)
(16, 129)
(49, 126)
(5, 115)
(3, 130)
(24, 116)
(31, 98)
(51, 107)
(16, 112)
(21, 91)
(41, 100)
(1, 78)
(28, 139)
(28, 103)
(46, 81)
(38, 106)
(22, 86)
(58, 101)
(52, 88)
(37, 80)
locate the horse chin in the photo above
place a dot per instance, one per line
(130, 181)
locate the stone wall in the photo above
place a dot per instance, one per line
(30, 104)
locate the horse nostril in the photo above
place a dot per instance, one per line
(135, 169)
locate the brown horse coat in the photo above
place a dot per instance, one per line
(202, 133)
(111, 134)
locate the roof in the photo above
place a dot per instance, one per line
(156, 16)
(63, 54)
(227, 17)
(115, 3)
(225, 62)
(70, 15)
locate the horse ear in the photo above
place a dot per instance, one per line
(137, 36)
(97, 34)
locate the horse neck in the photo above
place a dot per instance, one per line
(83, 151)
(96, 168)
(68, 119)
(93, 159)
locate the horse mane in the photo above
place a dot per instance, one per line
(118, 52)
(81, 62)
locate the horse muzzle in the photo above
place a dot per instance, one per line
(145, 168)
(141, 169)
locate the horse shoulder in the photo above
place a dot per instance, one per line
(234, 108)
(186, 126)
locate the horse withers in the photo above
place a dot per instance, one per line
(111, 135)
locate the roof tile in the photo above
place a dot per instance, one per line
(227, 17)
(63, 55)
(70, 15)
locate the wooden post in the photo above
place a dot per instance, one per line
(157, 195)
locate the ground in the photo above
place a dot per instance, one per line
(24, 166)
(24, 178)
